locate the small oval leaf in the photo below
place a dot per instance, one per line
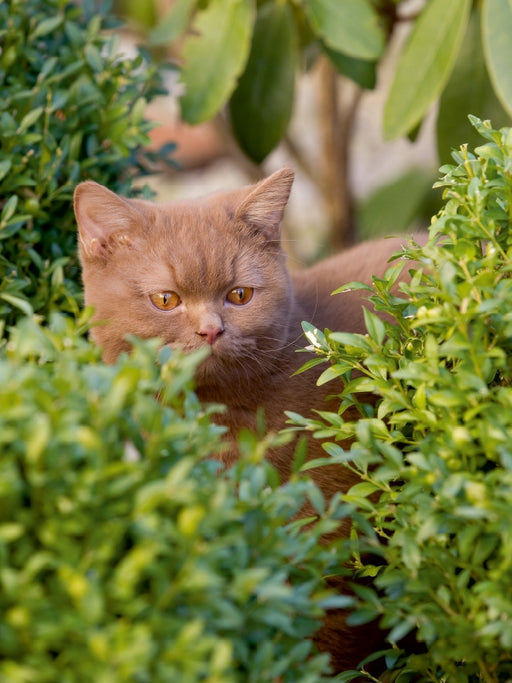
(29, 119)
(425, 64)
(214, 56)
(261, 105)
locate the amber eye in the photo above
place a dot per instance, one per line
(165, 301)
(240, 295)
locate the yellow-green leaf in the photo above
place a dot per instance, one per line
(496, 38)
(425, 64)
(214, 56)
(347, 26)
(469, 91)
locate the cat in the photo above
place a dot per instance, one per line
(212, 272)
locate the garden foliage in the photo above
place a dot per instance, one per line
(434, 452)
(247, 53)
(125, 554)
(71, 107)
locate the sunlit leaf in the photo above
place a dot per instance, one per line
(214, 56)
(469, 90)
(348, 26)
(496, 32)
(425, 64)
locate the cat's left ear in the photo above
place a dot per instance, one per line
(264, 207)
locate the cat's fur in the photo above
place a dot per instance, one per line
(202, 249)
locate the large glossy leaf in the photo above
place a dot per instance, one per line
(425, 64)
(214, 56)
(497, 41)
(347, 26)
(262, 103)
(469, 91)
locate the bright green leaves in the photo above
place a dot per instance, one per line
(214, 56)
(230, 41)
(496, 33)
(261, 105)
(347, 26)
(434, 437)
(230, 57)
(425, 64)
(122, 540)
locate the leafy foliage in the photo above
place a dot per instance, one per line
(70, 107)
(125, 554)
(353, 35)
(433, 449)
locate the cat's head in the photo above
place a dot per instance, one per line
(208, 272)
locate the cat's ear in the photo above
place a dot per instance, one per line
(103, 217)
(264, 206)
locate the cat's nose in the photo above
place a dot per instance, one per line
(211, 331)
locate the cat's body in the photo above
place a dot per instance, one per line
(211, 272)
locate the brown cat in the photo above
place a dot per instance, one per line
(212, 272)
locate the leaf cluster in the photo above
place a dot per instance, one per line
(71, 107)
(433, 446)
(125, 552)
(247, 53)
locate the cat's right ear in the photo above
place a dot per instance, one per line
(103, 217)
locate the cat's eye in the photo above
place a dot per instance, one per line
(240, 295)
(165, 301)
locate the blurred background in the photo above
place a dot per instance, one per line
(364, 98)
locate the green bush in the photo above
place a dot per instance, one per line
(435, 452)
(125, 555)
(70, 107)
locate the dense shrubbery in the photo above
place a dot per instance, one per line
(437, 446)
(124, 554)
(70, 107)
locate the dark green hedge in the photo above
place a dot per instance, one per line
(70, 108)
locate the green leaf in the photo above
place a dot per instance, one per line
(469, 90)
(5, 167)
(361, 71)
(214, 56)
(262, 104)
(173, 24)
(9, 208)
(348, 26)
(46, 26)
(425, 64)
(374, 325)
(29, 119)
(496, 32)
(396, 205)
(353, 287)
(18, 302)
